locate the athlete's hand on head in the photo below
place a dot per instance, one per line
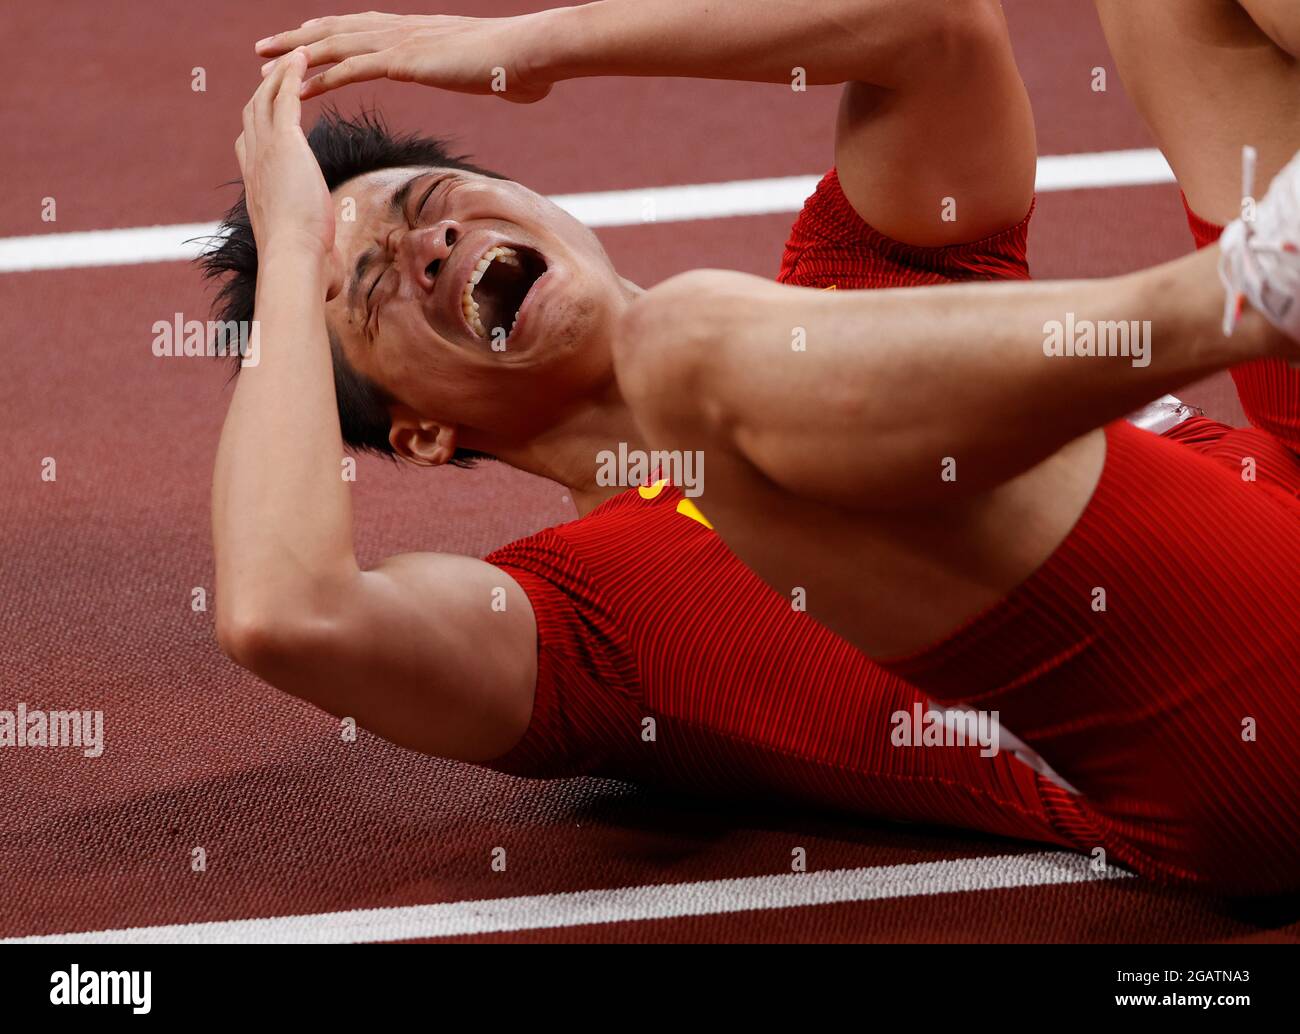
(468, 55)
(288, 202)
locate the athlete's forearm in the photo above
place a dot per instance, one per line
(281, 513)
(833, 41)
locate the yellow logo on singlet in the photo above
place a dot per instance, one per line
(685, 507)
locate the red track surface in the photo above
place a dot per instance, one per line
(99, 566)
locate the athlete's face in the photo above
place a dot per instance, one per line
(476, 303)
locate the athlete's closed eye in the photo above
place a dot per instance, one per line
(419, 209)
(383, 270)
(438, 180)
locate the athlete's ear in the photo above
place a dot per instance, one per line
(418, 439)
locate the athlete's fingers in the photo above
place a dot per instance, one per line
(357, 69)
(248, 138)
(338, 48)
(288, 105)
(264, 97)
(318, 29)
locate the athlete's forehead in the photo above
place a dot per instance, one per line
(380, 194)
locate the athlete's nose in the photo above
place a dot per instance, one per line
(423, 251)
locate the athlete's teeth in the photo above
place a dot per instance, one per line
(468, 305)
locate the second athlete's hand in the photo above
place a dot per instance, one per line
(468, 55)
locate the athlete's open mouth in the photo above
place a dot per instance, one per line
(497, 288)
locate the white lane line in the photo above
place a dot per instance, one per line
(598, 209)
(102, 247)
(616, 905)
(1104, 169)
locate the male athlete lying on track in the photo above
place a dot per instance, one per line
(824, 465)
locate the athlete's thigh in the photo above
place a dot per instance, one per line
(894, 582)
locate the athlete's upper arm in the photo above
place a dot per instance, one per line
(432, 651)
(947, 155)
